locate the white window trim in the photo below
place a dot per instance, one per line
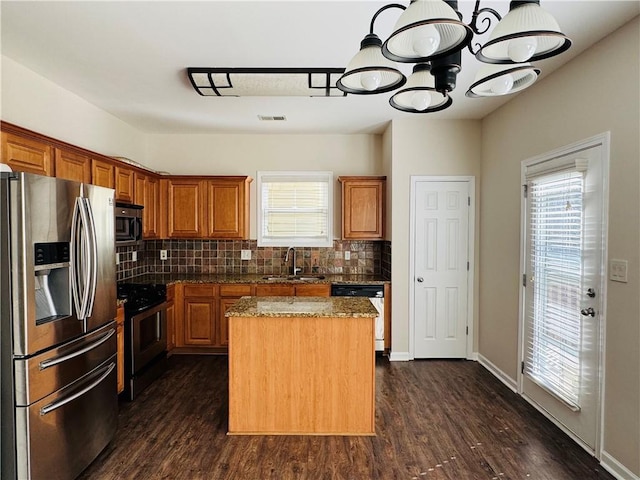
(293, 242)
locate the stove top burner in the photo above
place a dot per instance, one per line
(141, 296)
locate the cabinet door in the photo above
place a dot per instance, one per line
(124, 184)
(139, 181)
(227, 208)
(102, 173)
(223, 322)
(199, 321)
(26, 155)
(72, 166)
(150, 212)
(362, 208)
(186, 211)
(120, 348)
(171, 327)
(313, 290)
(277, 290)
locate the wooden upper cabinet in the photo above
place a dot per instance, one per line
(228, 207)
(102, 173)
(72, 166)
(26, 155)
(363, 205)
(185, 204)
(124, 184)
(146, 194)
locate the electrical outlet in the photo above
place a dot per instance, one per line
(347, 255)
(163, 255)
(134, 257)
(618, 271)
(117, 259)
(245, 255)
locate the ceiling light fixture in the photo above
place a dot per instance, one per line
(243, 82)
(431, 34)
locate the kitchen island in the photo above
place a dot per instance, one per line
(301, 366)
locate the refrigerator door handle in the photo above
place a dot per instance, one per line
(93, 263)
(76, 241)
(63, 358)
(86, 259)
(63, 401)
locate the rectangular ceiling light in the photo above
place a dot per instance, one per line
(266, 82)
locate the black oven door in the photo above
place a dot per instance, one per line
(148, 337)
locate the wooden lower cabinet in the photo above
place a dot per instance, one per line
(120, 344)
(171, 318)
(196, 318)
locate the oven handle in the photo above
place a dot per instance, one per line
(60, 403)
(63, 358)
(150, 311)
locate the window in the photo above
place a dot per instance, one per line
(555, 256)
(295, 209)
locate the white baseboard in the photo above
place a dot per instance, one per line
(473, 356)
(499, 374)
(399, 357)
(615, 468)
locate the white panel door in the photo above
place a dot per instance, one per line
(440, 269)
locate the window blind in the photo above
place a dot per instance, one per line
(555, 241)
(295, 209)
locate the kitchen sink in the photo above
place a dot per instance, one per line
(306, 278)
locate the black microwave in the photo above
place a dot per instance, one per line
(128, 224)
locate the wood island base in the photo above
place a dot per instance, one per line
(298, 375)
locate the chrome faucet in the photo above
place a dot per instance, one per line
(294, 269)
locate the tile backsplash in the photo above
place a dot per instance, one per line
(224, 257)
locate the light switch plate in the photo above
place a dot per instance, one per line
(618, 271)
(163, 255)
(347, 255)
(245, 255)
(134, 256)
(117, 259)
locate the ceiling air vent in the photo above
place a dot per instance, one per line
(277, 118)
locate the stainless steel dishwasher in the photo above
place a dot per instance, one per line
(375, 293)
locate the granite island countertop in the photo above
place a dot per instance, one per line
(312, 307)
(173, 278)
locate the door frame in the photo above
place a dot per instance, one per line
(603, 140)
(471, 181)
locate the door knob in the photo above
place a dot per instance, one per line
(420, 279)
(588, 312)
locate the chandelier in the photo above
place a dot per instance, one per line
(432, 35)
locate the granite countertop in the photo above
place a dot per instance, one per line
(312, 307)
(172, 278)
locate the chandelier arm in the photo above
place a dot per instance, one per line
(382, 9)
(477, 11)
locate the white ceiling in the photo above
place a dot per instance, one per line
(130, 58)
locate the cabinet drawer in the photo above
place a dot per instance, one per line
(170, 292)
(281, 290)
(322, 290)
(235, 290)
(199, 290)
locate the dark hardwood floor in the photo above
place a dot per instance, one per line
(434, 420)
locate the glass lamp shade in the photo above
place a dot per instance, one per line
(419, 94)
(369, 72)
(526, 33)
(426, 29)
(495, 80)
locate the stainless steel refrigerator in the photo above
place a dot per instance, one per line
(58, 399)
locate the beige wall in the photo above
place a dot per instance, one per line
(422, 147)
(596, 92)
(248, 154)
(31, 101)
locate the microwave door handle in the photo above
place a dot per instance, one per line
(74, 262)
(93, 255)
(137, 228)
(62, 402)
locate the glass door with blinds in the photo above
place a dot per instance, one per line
(563, 288)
